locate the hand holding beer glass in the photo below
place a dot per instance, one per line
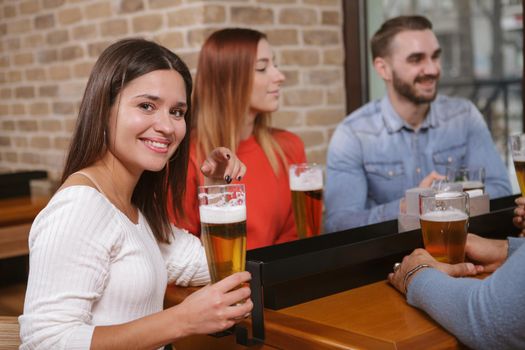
(444, 224)
(306, 184)
(222, 211)
(517, 143)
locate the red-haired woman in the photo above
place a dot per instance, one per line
(237, 86)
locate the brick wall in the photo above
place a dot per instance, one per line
(47, 49)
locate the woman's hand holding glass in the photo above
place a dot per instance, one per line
(401, 278)
(487, 254)
(483, 254)
(222, 166)
(215, 307)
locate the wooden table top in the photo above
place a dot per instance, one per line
(378, 316)
(21, 210)
(374, 316)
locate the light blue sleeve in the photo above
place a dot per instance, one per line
(483, 152)
(482, 314)
(346, 187)
(514, 244)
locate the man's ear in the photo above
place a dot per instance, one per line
(383, 68)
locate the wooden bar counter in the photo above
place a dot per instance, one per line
(374, 316)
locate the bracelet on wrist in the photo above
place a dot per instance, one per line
(410, 273)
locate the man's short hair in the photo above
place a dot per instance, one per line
(380, 42)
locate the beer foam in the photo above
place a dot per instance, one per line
(447, 195)
(306, 181)
(444, 215)
(472, 184)
(518, 158)
(222, 215)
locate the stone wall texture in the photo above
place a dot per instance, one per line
(47, 49)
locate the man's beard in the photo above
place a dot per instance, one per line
(409, 92)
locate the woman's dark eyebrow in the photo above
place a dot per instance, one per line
(180, 104)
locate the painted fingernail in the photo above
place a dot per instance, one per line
(239, 178)
(228, 155)
(228, 179)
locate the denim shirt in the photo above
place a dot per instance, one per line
(375, 156)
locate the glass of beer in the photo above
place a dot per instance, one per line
(517, 143)
(470, 179)
(306, 184)
(444, 224)
(222, 210)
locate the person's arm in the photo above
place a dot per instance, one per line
(185, 259)
(69, 265)
(481, 151)
(220, 167)
(211, 309)
(346, 188)
(483, 314)
(514, 244)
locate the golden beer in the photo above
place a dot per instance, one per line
(445, 234)
(222, 212)
(306, 185)
(225, 245)
(519, 165)
(308, 208)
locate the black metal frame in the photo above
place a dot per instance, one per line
(241, 333)
(307, 269)
(288, 274)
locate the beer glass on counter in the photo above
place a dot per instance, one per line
(518, 155)
(306, 184)
(470, 179)
(222, 210)
(444, 224)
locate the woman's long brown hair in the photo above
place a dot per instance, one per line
(223, 86)
(116, 67)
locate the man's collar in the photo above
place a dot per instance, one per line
(394, 122)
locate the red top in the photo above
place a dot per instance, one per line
(269, 215)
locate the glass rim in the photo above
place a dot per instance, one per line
(433, 194)
(220, 186)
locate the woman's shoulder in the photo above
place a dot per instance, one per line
(76, 203)
(77, 213)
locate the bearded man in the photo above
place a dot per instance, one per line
(406, 139)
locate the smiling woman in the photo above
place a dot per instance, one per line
(237, 87)
(103, 250)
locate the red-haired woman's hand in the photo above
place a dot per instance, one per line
(222, 166)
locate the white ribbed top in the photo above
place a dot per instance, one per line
(90, 265)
